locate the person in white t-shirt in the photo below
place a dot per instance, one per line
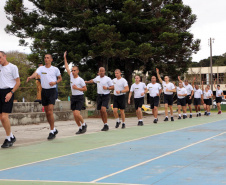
(104, 85)
(207, 111)
(78, 87)
(181, 100)
(219, 94)
(50, 77)
(206, 101)
(139, 89)
(198, 96)
(9, 83)
(155, 91)
(168, 89)
(189, 96)
(120, 89)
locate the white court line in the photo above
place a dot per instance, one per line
(15, 180)
(161, 156)
(106, 146)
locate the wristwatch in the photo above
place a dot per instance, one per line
(12, 92)
(56, 82)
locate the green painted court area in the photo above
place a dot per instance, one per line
(114, 153)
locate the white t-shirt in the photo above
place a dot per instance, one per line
(138, 89)
(119, 85)
(153, 89)
(181, 91)
(48, 75)
(168, 86)
(8, 76)
(197, 93)
(189, 88)
(104, 81)
(218, 93)
(206, 95)
(211, 92)
(79, 82)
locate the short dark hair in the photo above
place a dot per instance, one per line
(3, 53)
(118, 70)
(49, 55)
(76, 67)
(218, 86)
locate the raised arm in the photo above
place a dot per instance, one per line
(193, 82)
(202, 86)
(180, 79)
(66, 64)
(214, 84)
(157, 71)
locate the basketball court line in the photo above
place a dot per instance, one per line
(107, 146)
(161, 156)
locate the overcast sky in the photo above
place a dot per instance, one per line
(211, 22)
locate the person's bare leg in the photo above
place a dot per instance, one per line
(196, 108)
(184, 108)
(140, 115)
(123, 115)
(137, 114)
(171, 110)
(219, 107)
(166, 109)
(199, 108)
(190, 108)
(115, 111)
(49, 115)
(155, 112)
(76, 114)
(179, 109)
(104, 114)
(4, 117)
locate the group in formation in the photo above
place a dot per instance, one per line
(50, 76)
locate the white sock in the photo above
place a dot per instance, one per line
(52, 131)
(80, 127)
(166, 116)
(199, 112)
(105, 123)
(84, 124)
(190, 113)
(185, 114)
(11, 135)
(117, 120)
(8, 137)
(140, 120)
(123, 123)
(171, 116)
(179, 115)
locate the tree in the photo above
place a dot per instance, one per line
(125, 34)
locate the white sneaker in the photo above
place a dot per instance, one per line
(58, 99)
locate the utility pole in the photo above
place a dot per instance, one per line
(211, 40)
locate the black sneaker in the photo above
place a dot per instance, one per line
(138, 124)
(190, 116)
(7, 144)
(84, 128)
(184, 116)
(56, 132)
(141, 123)
(172, 119)
(205, 113)
(178, 117)
(13, 139)
(155, 121)
(123, 125)
(117, 124)
(199, 114)
(166, 119)
(51, 136)
(105, 128)
(80, 131)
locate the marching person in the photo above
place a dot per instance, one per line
(139, 89)
(181, 100)
(219, 94)
(168, 89)
(190, 93)
(206, 102)
(9, 83)
(155, 91)
(120, 88)
(198, 95)
(104, 85)
(211, 92)
(50, 76)
(210, 98)
(78, 86)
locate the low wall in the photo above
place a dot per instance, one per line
(31, 113)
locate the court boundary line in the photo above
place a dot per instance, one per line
(105, 146)
(17, 180)
(161, 156)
